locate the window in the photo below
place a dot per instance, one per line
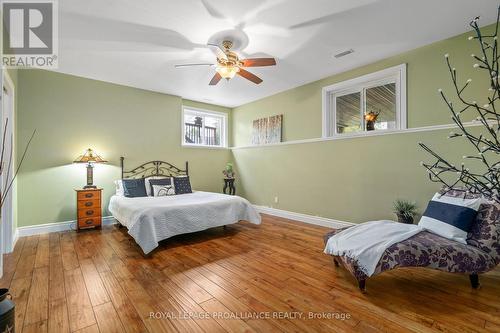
(204, 128)
(374, 102)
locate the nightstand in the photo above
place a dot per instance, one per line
(88, 207)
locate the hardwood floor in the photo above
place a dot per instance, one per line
(251, 278)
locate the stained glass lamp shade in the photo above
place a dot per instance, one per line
(89, 157)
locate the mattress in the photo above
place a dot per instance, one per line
(152, 219)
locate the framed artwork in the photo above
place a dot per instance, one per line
(267, 130)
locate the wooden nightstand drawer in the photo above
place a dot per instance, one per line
(89, 209)
(89, 222)
(85, 204)
(88, 195)
(90, 212)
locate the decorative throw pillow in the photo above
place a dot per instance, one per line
(147, 181)
(163, 190)
(119, 188)
(159, 181)
(134, 188)
(485, 233)
(182, 185)
(450, 217)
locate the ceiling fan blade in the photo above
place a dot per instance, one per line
(249, 76)
(257, 62)
(212, 10)
(218, 51)
(83, 27)
(191, 65)
(215, 79)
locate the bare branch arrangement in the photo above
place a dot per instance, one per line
(482, 175)
(7, 187)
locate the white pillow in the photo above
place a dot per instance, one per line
(119, 188)
(163, 190)
(450, 217)
(148, 185)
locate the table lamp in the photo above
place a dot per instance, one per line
(90, 157)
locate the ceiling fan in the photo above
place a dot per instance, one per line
(229, 64)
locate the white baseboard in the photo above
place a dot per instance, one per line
(108, 220)
(317, 220)
(15, 237)
(54, 227)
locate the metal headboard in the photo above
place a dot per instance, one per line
(153, 168)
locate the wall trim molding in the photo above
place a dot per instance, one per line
(54, 227)
(316, 220)
(367, 134)
(15, 237)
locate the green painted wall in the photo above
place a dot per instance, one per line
(353, 179)
(13, 75)
(71, 114)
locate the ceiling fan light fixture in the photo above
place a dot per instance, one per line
(227, 72)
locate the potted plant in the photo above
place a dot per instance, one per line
(405, 210)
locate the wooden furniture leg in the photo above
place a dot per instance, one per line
(362, 286)
(335, 262)
(474, 281)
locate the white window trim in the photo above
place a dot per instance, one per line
(396, 73)
(186, 108)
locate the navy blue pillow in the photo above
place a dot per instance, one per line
(160, 181)
(182, 185)
(134, 188)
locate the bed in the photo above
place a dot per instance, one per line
(152, 219)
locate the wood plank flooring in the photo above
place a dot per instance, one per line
(267, 278)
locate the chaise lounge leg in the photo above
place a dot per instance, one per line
(335, 262)
(474, 281)
(362, 286)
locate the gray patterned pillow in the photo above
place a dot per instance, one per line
(163, 190)
(182, 185)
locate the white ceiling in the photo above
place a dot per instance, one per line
(137, 42)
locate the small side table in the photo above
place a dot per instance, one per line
(229, 183)
(88, 206)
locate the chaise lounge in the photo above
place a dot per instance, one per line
(425, 249)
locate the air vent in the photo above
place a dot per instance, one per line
(343, 54)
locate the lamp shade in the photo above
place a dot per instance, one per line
(89, 157)
(227, 72)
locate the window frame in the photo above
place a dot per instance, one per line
(396, 74)
(204, 112)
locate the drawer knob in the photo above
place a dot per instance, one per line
(89, 195)
(88, 222)
(88, 204)
(89, 212)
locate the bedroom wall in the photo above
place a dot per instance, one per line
(12, 73)
(353, 179)
(70, 114)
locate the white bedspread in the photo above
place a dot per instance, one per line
(152, 219)
(367, 242)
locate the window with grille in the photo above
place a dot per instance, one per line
(374, 102)
(204, 128)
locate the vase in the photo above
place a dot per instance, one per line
(370, 125)
(7, 312)
(405, 219)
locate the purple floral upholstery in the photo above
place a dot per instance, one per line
(481, 254)
(485, 233)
